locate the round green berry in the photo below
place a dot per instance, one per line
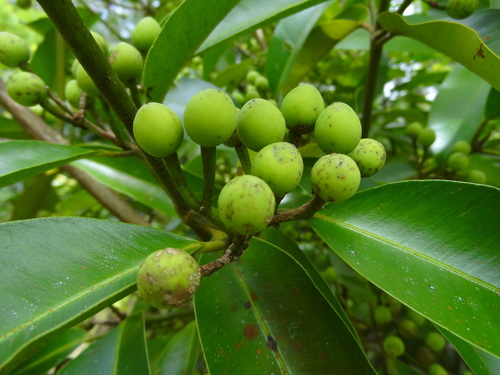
(85, 82)
(335, 178)
(252, 76)
(126, 61)
(13, 50)
(210, 117)
(260, 123)
(382, 315)
(414, 129)
(369, 155)
(158, 130)
(393, 346)
(280, 165)
(437, 369)
(246, 205)
(435, 341)
(26, 88)
(458, 161)
(101, 42)
(168, 277)
(476, 176)
(460, 9)
(145, 33)
(426, 137)
(462, 146)
(337, 129)
(261, 83)
(73, 93)
(301, 107)
(238, 96)
(408, 328)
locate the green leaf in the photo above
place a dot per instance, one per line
(121, 351)
(35, 193)
(10, 129)
(433, 245)
(23, 159)
(262, 314)
(174, 46)
(455, 40)
(58, 271)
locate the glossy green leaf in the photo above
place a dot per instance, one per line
(174, 46)
(181, 352)
(249, 15)
(22, 159)
(59, 271)
(262, 314)
(455, 40)
(431, 244)
(142, 190)
(121, 351)
(458, 109)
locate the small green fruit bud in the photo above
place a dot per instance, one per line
(476, 176)
(393, 346)
(435, 341)
(262, 83)
(252, 76)
(369, 155)
(126, 61)
(426, 137)
(73, 93)
(413, 130)
(168, 277)
(460, 9)
(301, 107)
(26, 89)
(101, 42)
(145, 33)
(329, 274)
(437, 369)
(462, 146)
(251, 93)
(13, 50)
(416, 317)
(408, 328)
(382, 315)
(238, 96)
(458, 161)
(85, 82)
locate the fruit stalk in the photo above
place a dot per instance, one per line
(306, 211)
(244, 157)
(208, 160)
(173, 166)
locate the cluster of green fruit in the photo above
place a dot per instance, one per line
(256, 87)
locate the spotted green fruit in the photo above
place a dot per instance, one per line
(85, 82)
(335, 178)
(158, 130)
(260, 123)
(369, 155)
(435, 341)
(246, 205)
(460, 9)
(337, 129)
(26, 89)
(393, 346)
(145, 33)
(280, 165)
(126, 61)
(168, 277)
(210, 117)
(458, 161)
(462, 146)
(13, 50)
(301, 107)
(426, 137)
(414, 129)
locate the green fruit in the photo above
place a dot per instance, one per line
(260, 123)
(337, 129)
(261, 83)
(85, 82)
(74, 67)
(168, 277)
(251, 93)
(462, 146)
(73, 93)
(414, 129)
(252, 76)
(210, 117)
(335, 178)
(408, 328)
(280, 165)
(23, 4)
(301, 107)
(437, 369)
(458, 161)
(246, 205)
(101, 42)
(426, 137)
(145, 33)
(238, 96)
(416, 317)
(126, 61)
(435, 341)
(158, 130)
(369, 155)
(329, 274)
(476, 176)
(26, 89)
(382, 315)
(13, 50)
(393, 346)
(460, 9)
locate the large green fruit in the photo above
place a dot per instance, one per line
(337, 129)
(168, 277)
(369, 155)
(26, 89)
(301, 107)
(246, 205)
(335, 178)
(280, 165)
(126, 61)
(85, 82)
(260, 123)
(145, 33)
(13, 50)
(210, 117)
(158, 130)
(460, 9)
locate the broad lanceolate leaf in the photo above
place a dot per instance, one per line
(22, 159)
(262, 314)
(58, 271)
(178, 40)
(431, 244)
(455, 40)
(121, 351)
